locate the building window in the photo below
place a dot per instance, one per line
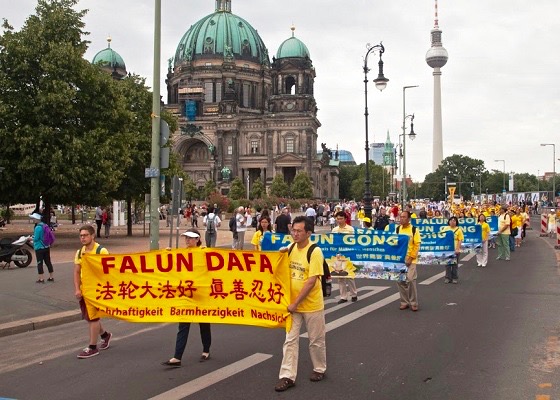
(218, 92)
(254, 147)
(246, 94)
(290, 145)
(208, 92)
(230, 150)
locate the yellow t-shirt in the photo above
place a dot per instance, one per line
(257, 239)
(79, 253)
(347, 229)
(516, 221)
(485, 230)
(300, 271)
(504, 222)
(457, 235)
(413, 242)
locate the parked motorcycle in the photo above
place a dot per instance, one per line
(16, 251)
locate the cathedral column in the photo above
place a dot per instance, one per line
(235, 153)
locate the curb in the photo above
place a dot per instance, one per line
(46, 321)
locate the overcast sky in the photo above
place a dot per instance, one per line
(500, 87)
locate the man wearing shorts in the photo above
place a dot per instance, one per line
(87, 238)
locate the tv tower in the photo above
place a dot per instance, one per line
(436, 58)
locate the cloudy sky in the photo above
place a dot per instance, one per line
(500, 87)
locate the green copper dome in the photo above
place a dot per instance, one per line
(292, 47)
(109, 58)
(222, 35)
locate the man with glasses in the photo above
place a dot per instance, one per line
(306, 305)
(89, 245)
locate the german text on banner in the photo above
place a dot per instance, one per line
(204, 285)
(472, 231)
(373, 255)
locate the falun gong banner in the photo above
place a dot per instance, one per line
(373, 255)
(435, 248)
(202, 285)
(472, 232)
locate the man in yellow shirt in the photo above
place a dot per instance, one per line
(306, 305)
(87, 238)
(407, 289)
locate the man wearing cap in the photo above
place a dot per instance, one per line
(42, 251)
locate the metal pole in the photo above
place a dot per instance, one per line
(172, 213)
(404, 145)
(553, 175)
(154, 183)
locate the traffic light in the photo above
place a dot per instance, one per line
(163, 139)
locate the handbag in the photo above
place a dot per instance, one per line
(514, 231)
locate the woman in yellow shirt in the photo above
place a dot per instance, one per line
(452, 271)
(482, 256)
(264, 225)
(517, 223)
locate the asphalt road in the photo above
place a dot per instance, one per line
(494, 336)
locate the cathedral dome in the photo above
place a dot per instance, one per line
(109, 58)
(222, 35)
(292, 47)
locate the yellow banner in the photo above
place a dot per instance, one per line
(203, 285)
(451, 193)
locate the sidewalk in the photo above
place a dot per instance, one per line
(26, 305)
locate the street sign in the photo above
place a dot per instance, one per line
(151, 172)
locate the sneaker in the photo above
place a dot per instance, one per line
(455, 281)
(87, 353)
(479, 265)
(342, 301)
(446, 280)
(498, 258)
(105, 342)
(507, 259)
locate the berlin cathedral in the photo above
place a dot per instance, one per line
(241, 115)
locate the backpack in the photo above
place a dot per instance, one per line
(326, 281)
(48, 235)
(97, 251)
(211, 225)
(255, 221)
(233, 224)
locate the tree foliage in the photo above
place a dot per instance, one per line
(65, 128)
(257, 190)
(237, 190)
(279, 187)
(302, 188)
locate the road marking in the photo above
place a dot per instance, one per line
(337, 323)
(373, 291)
(432, 279)
(468, 256)
(210, 379)
(542, 397)
(545, 385)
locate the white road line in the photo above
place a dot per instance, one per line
(372, 290)
(432, 279)
(468, 257)
(207, 380)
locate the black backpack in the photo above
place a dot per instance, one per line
(326, 281)
(211, 224)
(233, 224)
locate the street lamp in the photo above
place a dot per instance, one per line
(380, 83)
(553, 170)
(404, 140)
(504, 177)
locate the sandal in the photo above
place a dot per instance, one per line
(40, 281)
(284, 384)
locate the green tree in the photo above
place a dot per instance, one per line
(379, 180)
(237, 190)
(279, 187)
(302, 188)
(209, 188)
(348, 174)
(189, 189)
(63, 122)
(257, 190)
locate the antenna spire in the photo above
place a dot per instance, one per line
(436, 25)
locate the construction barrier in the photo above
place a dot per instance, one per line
(544, 225)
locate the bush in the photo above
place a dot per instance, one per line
(222, 201)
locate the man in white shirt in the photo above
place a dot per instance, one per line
(241, 228)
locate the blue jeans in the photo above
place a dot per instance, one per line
(511, 243)
(183, 335)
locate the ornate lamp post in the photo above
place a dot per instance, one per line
(412, 135)
(380, 83)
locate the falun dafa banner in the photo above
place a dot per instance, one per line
(184, 285)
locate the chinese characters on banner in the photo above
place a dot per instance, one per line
(204, 285)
